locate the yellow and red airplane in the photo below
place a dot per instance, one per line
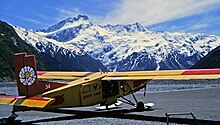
(85, 88)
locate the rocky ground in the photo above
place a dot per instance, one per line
(198, 96)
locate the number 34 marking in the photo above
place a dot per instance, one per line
(47, 86)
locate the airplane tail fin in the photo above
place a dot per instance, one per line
(26, 75)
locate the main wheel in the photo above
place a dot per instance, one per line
(140, 106)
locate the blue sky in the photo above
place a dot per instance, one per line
(197, 16)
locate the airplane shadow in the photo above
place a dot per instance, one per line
(77, 114)
(119, 113)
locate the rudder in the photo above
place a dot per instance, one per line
(26, 75)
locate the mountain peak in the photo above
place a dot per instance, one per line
(65, 22)
(139, 27)
(79, 17)
(75, 19)
(135, 27)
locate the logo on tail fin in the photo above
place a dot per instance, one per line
(27, 75)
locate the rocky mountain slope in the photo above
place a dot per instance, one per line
(11, 43)
(212, 60)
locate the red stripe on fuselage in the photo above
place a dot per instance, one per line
(41, 72)
(201, 71)
(38, 98)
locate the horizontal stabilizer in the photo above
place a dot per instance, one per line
(34, 102)
(7, 99)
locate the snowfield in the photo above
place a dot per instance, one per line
(122, 47)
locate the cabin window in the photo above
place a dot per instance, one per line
(95, 86)
(109, 88)
(86, 89)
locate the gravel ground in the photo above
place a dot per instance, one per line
(202, 97)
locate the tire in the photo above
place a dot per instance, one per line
(140, 106)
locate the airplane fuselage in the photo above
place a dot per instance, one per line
(95, 92)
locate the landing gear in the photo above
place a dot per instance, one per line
(140, 106)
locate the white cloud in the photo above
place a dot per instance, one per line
(199, 26)
(63, 13)
(66, 13)
(29, 20)
(205, 22)
(150, 12)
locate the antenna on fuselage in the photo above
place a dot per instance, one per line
(100, 71)
(106, 69)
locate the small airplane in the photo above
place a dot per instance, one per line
(37, 91)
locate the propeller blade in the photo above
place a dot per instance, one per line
(145, 89)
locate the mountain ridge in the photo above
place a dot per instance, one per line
(58, 55)
(211, 60)
(132, 46)
(11, 43)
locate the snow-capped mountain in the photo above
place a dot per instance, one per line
(59, 56)
(127, 47)
(67, 29)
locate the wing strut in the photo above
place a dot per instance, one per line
(135, 99)
(139, 104)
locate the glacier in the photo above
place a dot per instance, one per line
(121, 47)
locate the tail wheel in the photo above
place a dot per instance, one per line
(140, 106)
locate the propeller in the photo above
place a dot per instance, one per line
(145, 90)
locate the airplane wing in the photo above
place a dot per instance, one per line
(143, 75)
(138, 75)
(61, 75)
(165, 75)
(34, 102)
